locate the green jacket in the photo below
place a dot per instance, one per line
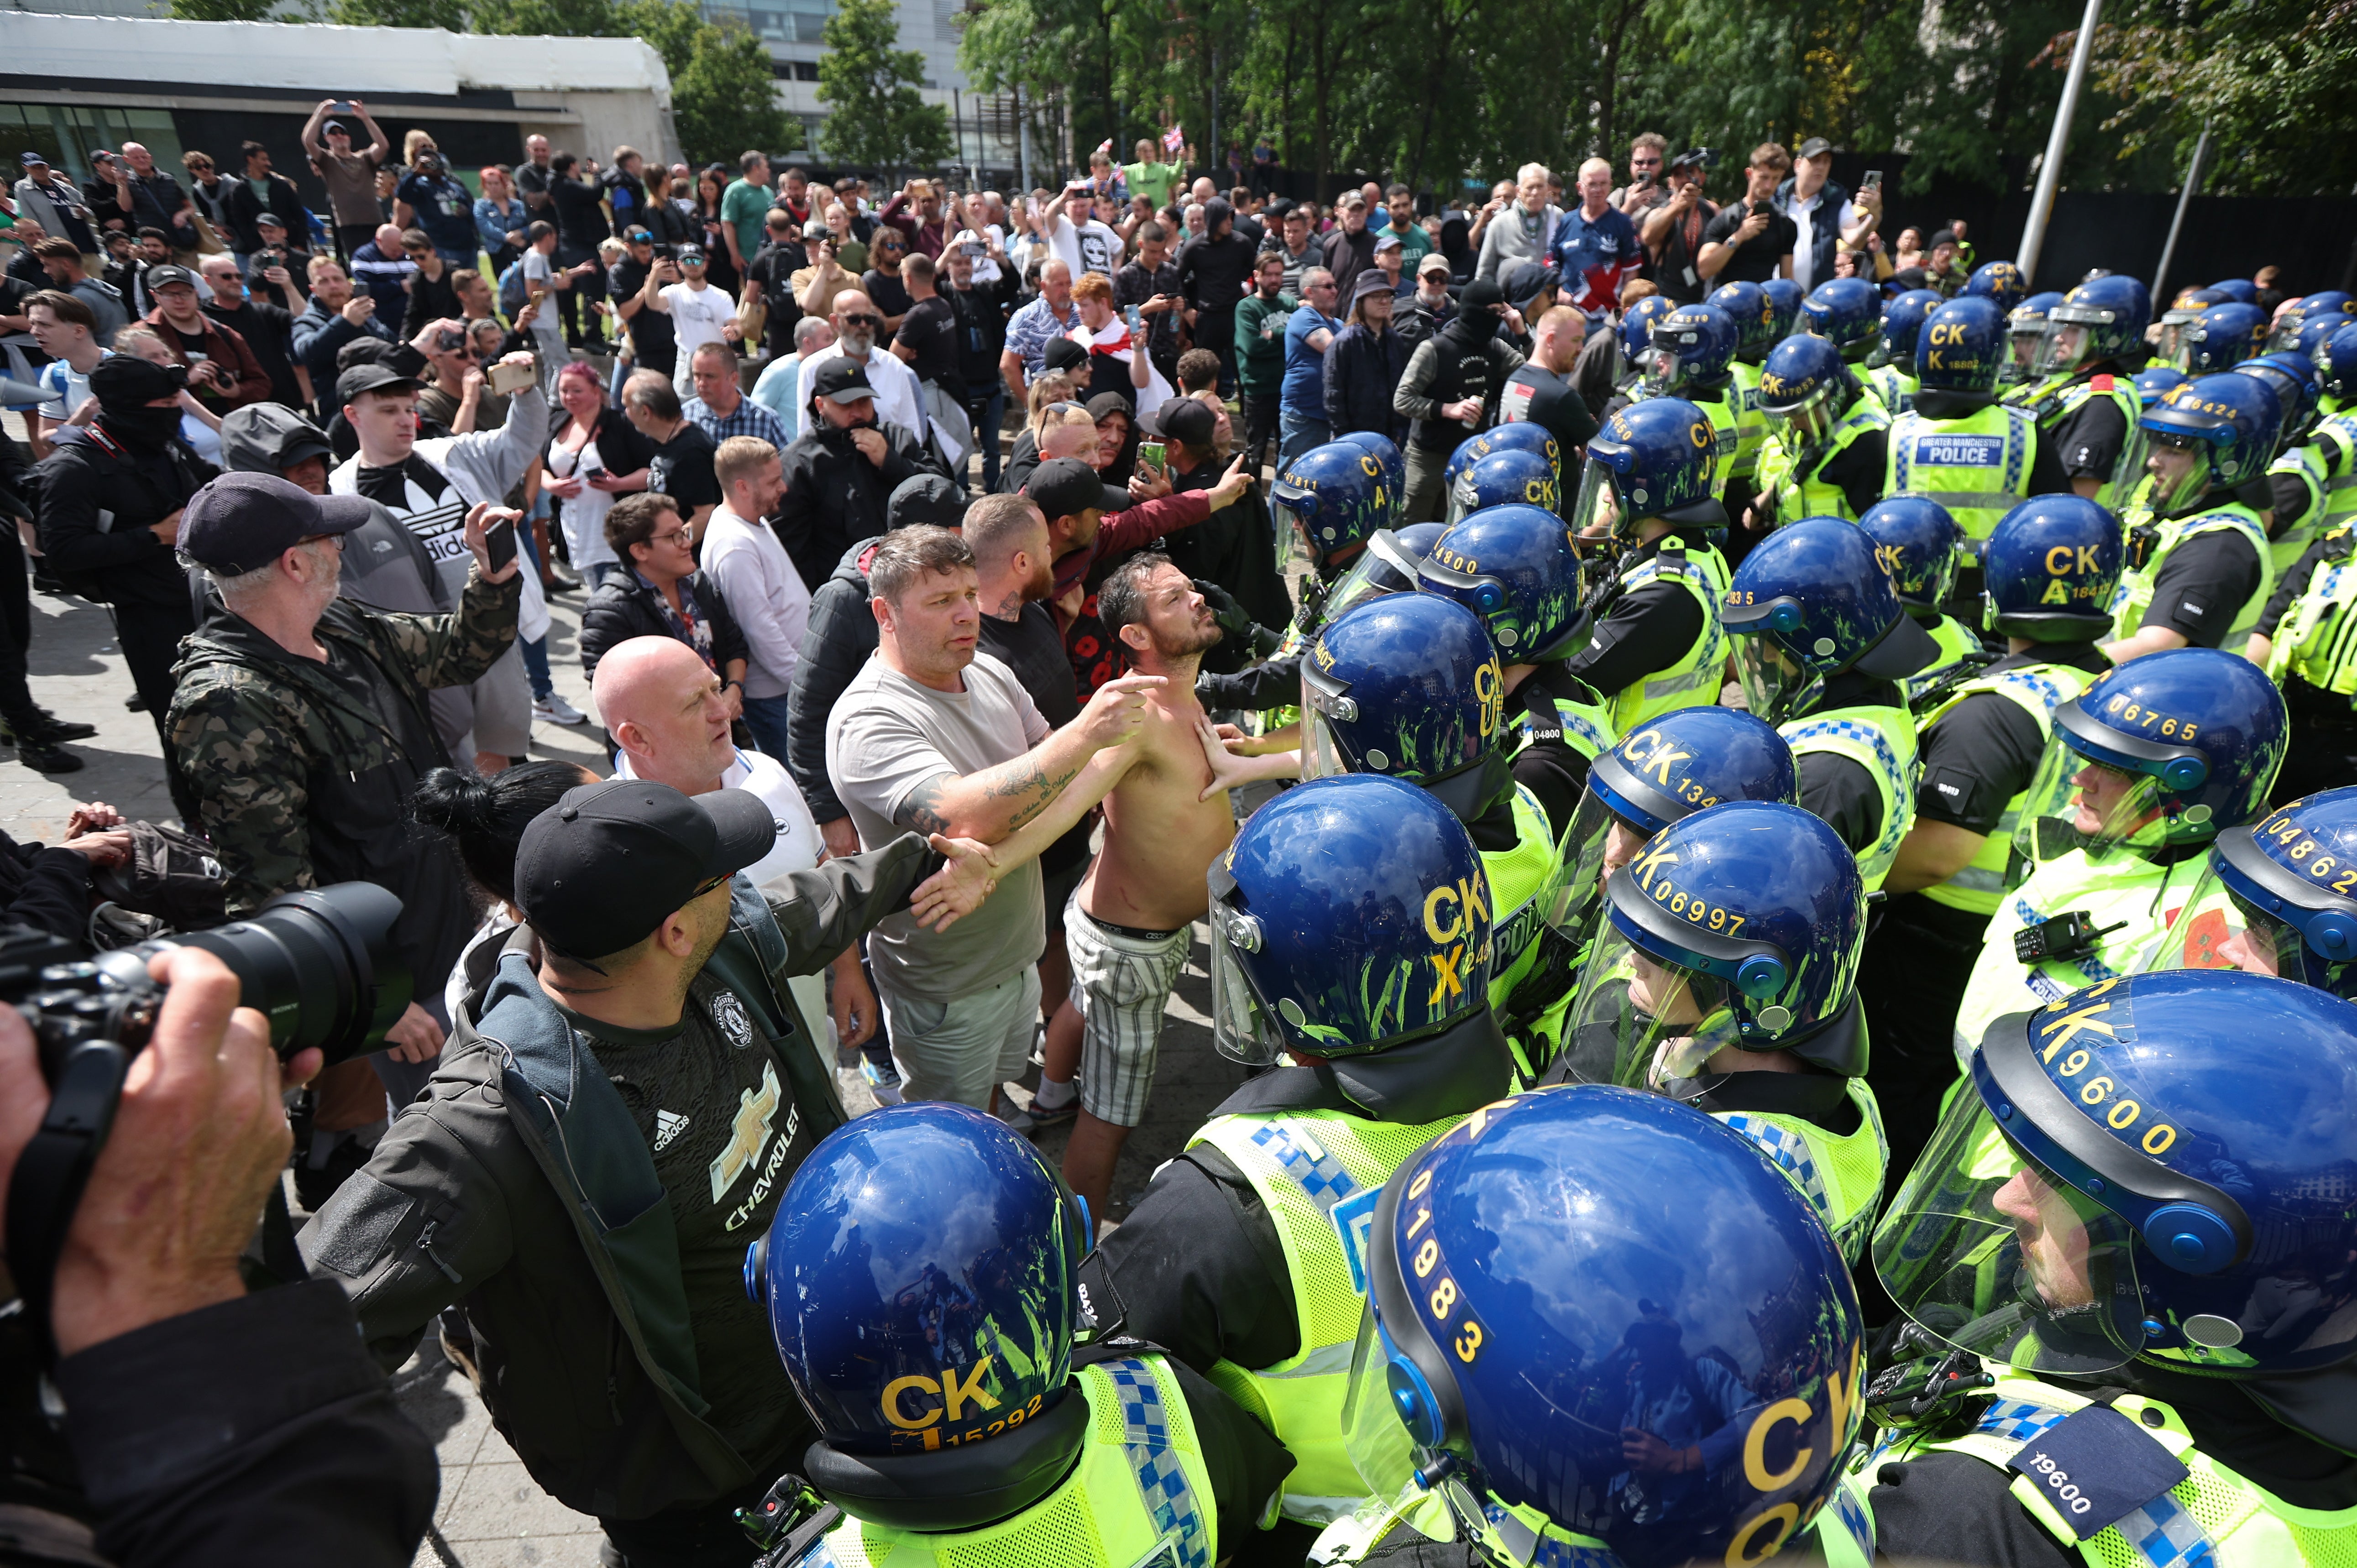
(1260, 343)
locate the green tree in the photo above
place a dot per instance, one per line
(222, 10)
(724, 97)
(875, 117)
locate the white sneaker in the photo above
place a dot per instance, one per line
(554, 710)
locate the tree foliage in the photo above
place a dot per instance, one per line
(875, 117)
(223, 10)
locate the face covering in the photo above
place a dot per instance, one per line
(141, 427)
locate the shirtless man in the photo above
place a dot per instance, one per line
(1129, 931)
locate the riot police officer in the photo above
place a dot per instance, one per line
(919, 1280)
(1959, 446)
(1393, 464)
(2336, 362)
(1655, 646)
(1748, 1010)
(2299, 482)
(1514, 567)
(1922, 547)
(1828, 441)
(1846, 313)
(2000, 283)
(1691, 356)
(2168, 348)
(1351, 954)
(2128, 1227)
(2198, 570)
(1265, 692)
(2325, 311)
(1519, 436)
(2220, 337)
(1337, 496)
(1821, 643)
(1890, 369)
(2141, 770)
(1545, 1374)
(1748, 305)
(2047, 574)
(2025, 326)
(2304, 644)
(2087, 406)
(2265, 904)
(1634, 335)
(1508, 476)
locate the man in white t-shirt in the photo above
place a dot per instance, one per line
(929, 736)
(1076, 238)
(662, 706)
(65, 328)
(744, 558)
(699, 313)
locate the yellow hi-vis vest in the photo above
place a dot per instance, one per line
(1318, 1174)
(1892, 387)
(2317, 638)
(2326, 467)
(1977, 467)
(1882, 741)
(1957, 646)
(2213, 1518)
(1841, 1175)
(1806, 495)
(2133, 594)
(1692, 682)
(1750, 424)
(2072, 396)
(2037, 689)
(1141, 1493)
(1517, 877)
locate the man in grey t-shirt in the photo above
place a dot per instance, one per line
(929, 736)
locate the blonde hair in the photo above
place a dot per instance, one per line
(412, 141)
(1054, 387)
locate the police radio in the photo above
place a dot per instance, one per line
(2063, 938)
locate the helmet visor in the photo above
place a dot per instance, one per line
(1642, 1023)
(1775, 685)
(1996, 1256)
(1372, 1432)
(1804, 425)
(2075, 803)
(1599, 842)
(1383, 568)
(2180, 466)
(1663, 374)
(2061, 348)
(2226, 925)
(1241, 1028)
(1323, 754)
(1595, 510)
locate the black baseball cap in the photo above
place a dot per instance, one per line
(690, 254)
(268, 220)
(1065, 486)
(371, 377)
(242, 522)
(607, 864)
(1813, 147)
(1185, 420)
(841, 380)
(165, 276)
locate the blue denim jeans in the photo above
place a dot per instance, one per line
(766, 717)
(986, 415)
(1297, 433)
(535, 652)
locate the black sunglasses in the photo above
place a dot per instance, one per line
(863, 319)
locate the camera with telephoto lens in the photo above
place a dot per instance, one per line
(319, 965)
(1696, 157)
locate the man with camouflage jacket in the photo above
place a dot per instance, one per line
(300, 721)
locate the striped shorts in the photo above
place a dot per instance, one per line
(1121, 983)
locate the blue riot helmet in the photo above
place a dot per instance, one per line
(1920, 545)
(1407, 684)
(1387, 453)
(2309, 342)
(2171, 748)
(2025, 326)
(1337, 496)
(2240, 291)
(1555, 1273)
(2152, 384)
(2329, 304)
(1803, 389)
(1510, 475)
(1350, 915)
(1736, 929)
(1902, 322)
(1962, 348)
(2101, 320)
(2221, 338)
(2122, 1176)
(1691, 349)
(920, 1283)
(1810, 601)
(1998, 282)
(1388, 565)
(2216, 433)
(2297, 390)
(1636, 329)
(1519, 435)
(1844, 312)
(1784, 297)
(1516, 568)
(1746, 305)
(2049, 568)
(1651, 459)
(1685, 761)
(2182, 312)
(2337, 360)
(2266, 903)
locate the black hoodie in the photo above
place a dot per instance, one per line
(834, 495)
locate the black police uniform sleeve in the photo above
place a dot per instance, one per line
(254, 1430)
(2288, 500)
(1557, 775)
(1981, 754)
(1951, 1507)
(1644, 633)
(2047, 476)
(2089, 440)
(2295, 583)
(1247, 1461)
(1254, 689)
(1857, 471)
(2203, 585)
(1844, 794)
(1198, 1269)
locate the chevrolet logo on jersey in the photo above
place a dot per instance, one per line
(750, 1133)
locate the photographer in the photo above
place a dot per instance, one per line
(635, 284)
(585, 1170)
(299, 1455)
(1673, 231)
(1750, 240)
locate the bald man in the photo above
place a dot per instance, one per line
(382, 269)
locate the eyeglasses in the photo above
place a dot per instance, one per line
(335, 539)
(1067, 408)
(863, 319)
(683, 536)
(640, 238)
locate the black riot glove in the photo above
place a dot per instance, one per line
(1232, 620)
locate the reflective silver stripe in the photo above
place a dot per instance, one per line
(1310, 1509)
(2346, 481)
(1978, 499)
(1327, 1361)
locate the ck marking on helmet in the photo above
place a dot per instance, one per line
(1658, 887)
(2099, 1090)
(2329, 871)
(1450, 911)
(1652, 754)
(955, 1396)
(2130, 712)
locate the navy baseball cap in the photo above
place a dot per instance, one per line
(603, 868)
(242, 522)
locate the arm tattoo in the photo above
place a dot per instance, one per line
(1036, 784)
(923, 808)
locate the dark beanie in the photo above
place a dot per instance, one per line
(125, 381)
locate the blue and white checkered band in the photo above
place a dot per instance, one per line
(1303, 1159)
(2019, 1420)
(2165, 1535)
(1161, 1476)
(1790, 1152)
